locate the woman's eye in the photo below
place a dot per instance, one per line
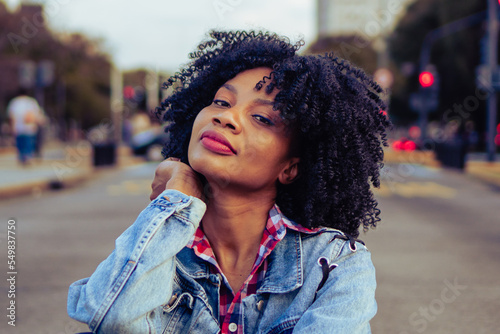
(221, 103)
(263, 120)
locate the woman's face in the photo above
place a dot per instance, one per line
(239, 140)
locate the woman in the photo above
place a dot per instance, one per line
(271, 160)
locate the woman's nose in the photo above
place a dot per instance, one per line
(228, 118)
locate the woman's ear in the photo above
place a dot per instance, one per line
(290, 172)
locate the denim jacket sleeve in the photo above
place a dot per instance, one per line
(110, 301)
(346, 303)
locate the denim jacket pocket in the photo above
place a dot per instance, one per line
(185, 299)
(285, 327)
(177, 312)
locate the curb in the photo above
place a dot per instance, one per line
(34, 187)
(480, 170)
(484, 171)
(52, 182)
(426, 158)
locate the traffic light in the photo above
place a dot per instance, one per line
(426, 78)
(429, 87)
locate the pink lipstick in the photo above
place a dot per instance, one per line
(217, 143)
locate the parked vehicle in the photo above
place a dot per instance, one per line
(404, 144)
(149, 143)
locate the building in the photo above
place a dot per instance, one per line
(21, 26)
(367, 18)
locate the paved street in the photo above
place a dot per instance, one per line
(62, 236)
(437, 253)
(436, 249)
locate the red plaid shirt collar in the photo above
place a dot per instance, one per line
(230, 315)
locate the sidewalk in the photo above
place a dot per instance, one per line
(476, 165)
(62, 165)
(65, 165)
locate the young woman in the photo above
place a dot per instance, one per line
(255, 215)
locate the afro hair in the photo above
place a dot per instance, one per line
(333, 107)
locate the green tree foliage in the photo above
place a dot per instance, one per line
(86, 74)
(455, 56)
(82, 70)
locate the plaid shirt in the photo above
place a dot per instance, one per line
(231, 315)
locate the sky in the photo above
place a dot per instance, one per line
(159, 34)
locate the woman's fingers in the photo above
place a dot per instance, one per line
(162, 174)
(173, 174)
(156, 189)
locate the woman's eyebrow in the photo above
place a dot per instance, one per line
(264, 102)
(233, 90)
(230, 88)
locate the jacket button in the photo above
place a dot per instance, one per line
(260, 305)
(172, 300)
(233, 327)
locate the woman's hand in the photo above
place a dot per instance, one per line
(173, 174)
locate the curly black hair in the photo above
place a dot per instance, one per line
(333, 106)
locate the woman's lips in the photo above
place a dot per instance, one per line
(217, 143)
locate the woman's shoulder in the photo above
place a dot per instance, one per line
(333, 244)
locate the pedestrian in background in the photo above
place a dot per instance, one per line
(271, 161)
(40, 134)
(26, 117)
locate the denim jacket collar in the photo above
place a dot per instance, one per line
(284, 273)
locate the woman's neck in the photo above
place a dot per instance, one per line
(234, 223)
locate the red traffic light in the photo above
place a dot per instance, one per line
(426, 79)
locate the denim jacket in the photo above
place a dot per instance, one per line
(152, 283)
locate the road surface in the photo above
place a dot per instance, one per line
(436, 250)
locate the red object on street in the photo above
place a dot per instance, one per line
(409, 146)
(404, 145)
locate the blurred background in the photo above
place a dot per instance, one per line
(93, 70)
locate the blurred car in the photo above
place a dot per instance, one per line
(404, 144)
(149, 143)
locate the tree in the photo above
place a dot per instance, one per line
(82, 70)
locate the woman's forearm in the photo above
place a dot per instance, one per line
(144, 255)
